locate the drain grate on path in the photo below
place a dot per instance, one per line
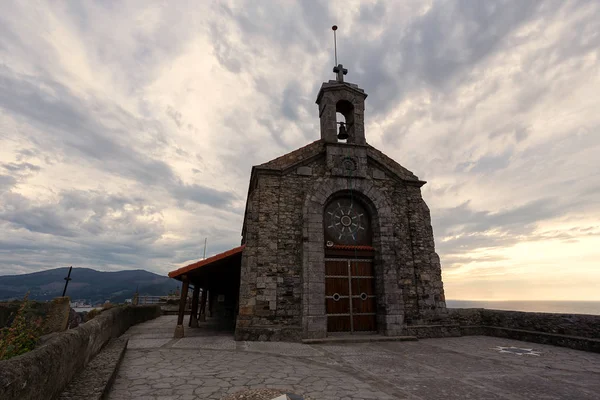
(517, 350)
(263, 394)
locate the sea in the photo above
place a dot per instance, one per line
(561, 307)
(85, 309)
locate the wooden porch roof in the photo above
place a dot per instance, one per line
(221, 257)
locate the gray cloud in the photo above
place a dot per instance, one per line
(486, 163)
(80, 128)
(436, 49)
(175, 116)
(21, 167)
(6, 182)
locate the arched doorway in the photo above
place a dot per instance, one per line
(350, 297)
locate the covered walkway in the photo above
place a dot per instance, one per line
(215, 283)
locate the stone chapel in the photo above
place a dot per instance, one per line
(336, 240)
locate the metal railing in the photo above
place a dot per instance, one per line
(155, 299)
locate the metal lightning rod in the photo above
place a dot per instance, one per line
(334, 28)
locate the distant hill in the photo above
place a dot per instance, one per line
(86, 284)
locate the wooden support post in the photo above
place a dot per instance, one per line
(182, 305)
(211, 300)
(203, 305)
(194, 314)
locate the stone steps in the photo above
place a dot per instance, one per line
(94, 382)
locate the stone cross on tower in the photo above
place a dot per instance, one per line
(340, 71)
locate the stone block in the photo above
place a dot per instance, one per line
(378, 174)
(58, 315)
(304, 171)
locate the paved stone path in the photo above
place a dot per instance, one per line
(209, 365)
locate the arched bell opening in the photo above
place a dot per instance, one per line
(342, 128)
(351, 277)
(345, 120)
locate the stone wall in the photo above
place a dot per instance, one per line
(42, 373)
(271, 290)
(577, 331)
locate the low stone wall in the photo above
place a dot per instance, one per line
(269, 334)
(433, 331)
(577, 331)
(44, 372)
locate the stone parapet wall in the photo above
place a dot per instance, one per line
(464, 316)
(587, 326)
(576, 331)
(44, 372)
(269, 334)
(433, 331)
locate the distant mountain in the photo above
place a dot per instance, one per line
(86, 284)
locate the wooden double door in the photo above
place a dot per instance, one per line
(350, 299)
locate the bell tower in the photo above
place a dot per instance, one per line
(337, 96)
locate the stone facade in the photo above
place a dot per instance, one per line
(282, 292)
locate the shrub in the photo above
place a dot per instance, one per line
(22, 335)
(91, 314)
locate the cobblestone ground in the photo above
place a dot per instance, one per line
(209, 365)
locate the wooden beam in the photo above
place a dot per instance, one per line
(194, 314)
(182, 305)
(203, 305)
(211, 301)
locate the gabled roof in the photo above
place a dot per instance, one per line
(317, 147)
(207, 261)
(390, 164)
(296, 156)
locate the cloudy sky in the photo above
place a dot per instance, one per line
(128, 129)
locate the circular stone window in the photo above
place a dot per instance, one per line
(349, 164)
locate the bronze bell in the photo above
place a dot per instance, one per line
(342, 134)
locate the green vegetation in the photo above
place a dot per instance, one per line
(23, 334)
(93, 313)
